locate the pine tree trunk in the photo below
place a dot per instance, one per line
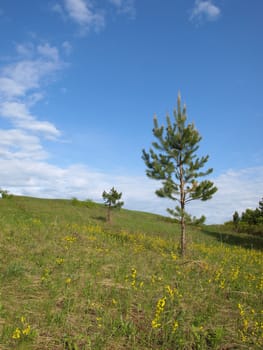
(183, 238)
(109, 215)
(182, 202)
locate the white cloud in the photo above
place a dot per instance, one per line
(90, 14)
(17, 79)
(41, 179)
(237, 190)
(205, 9)
(21, 87)
(9, 87)
(19, 115)
(48, 51)
(25, 74)
(81, 12)
(34, 97)
(17, 144)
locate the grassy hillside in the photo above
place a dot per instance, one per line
(70, 281)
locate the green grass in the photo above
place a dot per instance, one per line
(78, 283)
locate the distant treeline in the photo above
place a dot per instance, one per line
(250, 221)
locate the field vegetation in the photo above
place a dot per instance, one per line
(70, 280)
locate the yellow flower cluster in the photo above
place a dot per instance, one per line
(250, 326)
(167, 303)
(59, 261)
(23, 331)
(172, 292)
(45, 275)
(69, 239)
(132, 278)
(17, 333)
(235, 273)
(159, 310)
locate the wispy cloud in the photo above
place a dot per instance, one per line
(22, 86)
(48, 52)
(19, 115)
(92, 14)
(237, 190)
(125, 6)
(33, 67)
(205, 10)
(19, 145)
(82, 13)
(41, 179)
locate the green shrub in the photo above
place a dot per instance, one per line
(88, 203)
(5, 194)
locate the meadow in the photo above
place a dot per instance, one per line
(69, 280)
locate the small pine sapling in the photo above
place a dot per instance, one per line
(112, 201)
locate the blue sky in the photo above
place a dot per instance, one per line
(80, 81)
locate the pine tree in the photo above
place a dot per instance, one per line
(111, 201)
(260, 206)
(177, 166)
(236, 219)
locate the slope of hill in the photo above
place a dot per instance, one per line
(70, 281)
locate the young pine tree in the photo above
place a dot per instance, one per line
(111, 201)
(177, 166)
(236, 219)
(260, 206)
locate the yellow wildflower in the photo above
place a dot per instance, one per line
(161, 303)
(175, 326)
(16, 334)
(170, 291)
(59, 261)
(241, 311)
(134, 272)
(26, 331)
(155, 323)
(222, 284)
(159, 309)
(245, 324)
